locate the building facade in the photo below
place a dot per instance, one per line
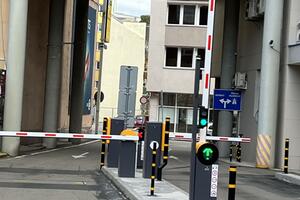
(266, 56)
(177, 36)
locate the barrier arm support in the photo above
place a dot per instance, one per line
(165, 148)
(103, 142)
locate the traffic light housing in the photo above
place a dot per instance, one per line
(203, 118)
(207, 153)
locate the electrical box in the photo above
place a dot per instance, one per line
(240, 81)
(255, 9)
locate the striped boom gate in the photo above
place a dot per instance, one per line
(68, 135)
(263, 151)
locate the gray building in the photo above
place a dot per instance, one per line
(256, 49)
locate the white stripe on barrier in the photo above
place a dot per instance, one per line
(188, 137)
(68, 135)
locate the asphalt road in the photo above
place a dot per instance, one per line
(70, 173)
(252, 183)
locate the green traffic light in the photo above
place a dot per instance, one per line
(207, 153)
(203, 122)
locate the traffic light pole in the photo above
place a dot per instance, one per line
(194, 130)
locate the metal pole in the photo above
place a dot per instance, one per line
(270, 64)
(102, 45)
(228, 68)
(80, 38)
(15, 73)
(54, 66)
(162, 104)
(194, 130)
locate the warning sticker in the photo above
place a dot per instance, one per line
(214, 181)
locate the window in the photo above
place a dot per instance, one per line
(183, 57)
(171, 57)
(187, 57)
(174, 14)
(203, 15)
(189, 15)
(201, 53)
(193, 15)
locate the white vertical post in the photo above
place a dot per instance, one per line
(208, 53)
(15, 73)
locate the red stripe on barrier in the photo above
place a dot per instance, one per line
(50, 134)
(78, 136)
(246, 139)
(223, 139)
(209, 43)
(106, 137)
(212, 5)
(206, 81)
(21, 134)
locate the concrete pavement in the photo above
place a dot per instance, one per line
(57, 174)
(252, 183)
(138, 188)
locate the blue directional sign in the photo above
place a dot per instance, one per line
(229, 100)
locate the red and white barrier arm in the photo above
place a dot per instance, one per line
(68, 135)
(188, 137)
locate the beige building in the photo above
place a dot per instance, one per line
(126, 47)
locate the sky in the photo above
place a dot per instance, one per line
(133, 7)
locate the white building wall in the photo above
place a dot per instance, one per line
(289, 96)
(126, 47)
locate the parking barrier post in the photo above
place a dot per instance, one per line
(232, 182)
(165, 148)
(286, 155)
(103, 142)
(154, 152)
(238, 152)
(230, 153)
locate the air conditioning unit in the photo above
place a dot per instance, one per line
(261, 7)
(255, 9)
(240, 81)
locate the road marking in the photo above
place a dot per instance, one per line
(51, 150)
(81, 155)
(174, 157)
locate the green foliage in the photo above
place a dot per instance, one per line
(146, 19)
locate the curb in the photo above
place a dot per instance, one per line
(289, 178)
(2, 154)
(136, 189)
(130, 195)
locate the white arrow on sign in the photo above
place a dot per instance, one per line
(152, 144)
(228, 101)
(81, 155)
(234, 102)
